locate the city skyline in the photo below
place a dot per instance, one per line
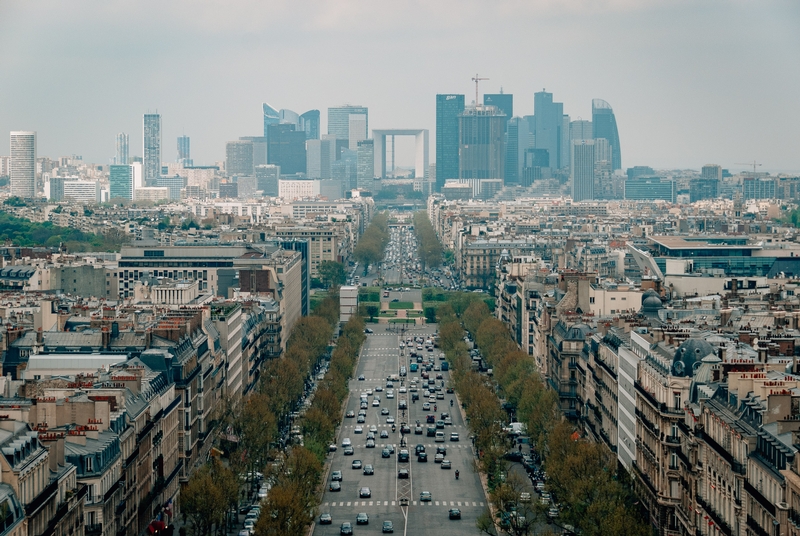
(689, 84)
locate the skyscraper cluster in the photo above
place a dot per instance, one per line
(483, 144)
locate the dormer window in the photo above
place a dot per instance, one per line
(89, 465)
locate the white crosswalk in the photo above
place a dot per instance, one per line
(448, 504)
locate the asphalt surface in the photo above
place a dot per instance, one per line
(381, 357)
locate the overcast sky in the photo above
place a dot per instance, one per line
(690, 82)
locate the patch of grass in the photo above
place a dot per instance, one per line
(401, 305)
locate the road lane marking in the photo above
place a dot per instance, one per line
(370, 503)
(393, 503)
(348, 504)
(437, 503)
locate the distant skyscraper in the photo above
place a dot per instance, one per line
(121, 158)
(23, 164)
(580, 130)
(120, 180)
(287, 148)
(271, 117)
(319, 158)
(604, 125)
(365, 172)
(184, 151)
(582, 170)
(152, 148)
(339, 121)
(267, 179)
(481, 145)
(357, 130)
(309, 123)
(259, 149)
(239, 158)
(290, 117)
(517, 142)
(448, 109)
(503, 101)
(712, 171)
(549, 125)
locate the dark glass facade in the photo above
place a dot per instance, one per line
(448, 108)
(286, 148)
(604, 125)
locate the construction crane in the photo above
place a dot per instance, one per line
(476, 80)
(753, 163)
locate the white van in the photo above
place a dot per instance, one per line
(346, 441)
(439, 437)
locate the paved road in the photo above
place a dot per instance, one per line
(381, 358)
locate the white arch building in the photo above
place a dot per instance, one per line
(421, 150)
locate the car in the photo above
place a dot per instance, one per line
(454, 513)
(419, 448)
(402, 473)
(346, 528)
(369, 470)
(426, 406)
(379, 389)
(371, 435)
(446, 464)
(250, 524)
(539, 486)
(431, 419)
(325, 519)
(368, 330)
(438, 376)
(552, 512)
(384, 434)
(336, 476)
(389, 384)
(389, 394)
(387, 527)
(440, 424)
(373, 429)
(348, 451)
(376, 403)
(450, 390)
(363, 405)
(425, 496)
(441, 449)
(422, 457)
(364, 493)
(524, 497)
(350, 414)
(245, 532)
(361, 378)
(362, 519)
(384, 411)
(385, 453)
(356, 464)
(402, 390)
(390, 447)
(370, 444)
(454, 437)
(335, 486)
(403, 456)
(448, 421)
(361, 419)
(332, 447)
(369, 392)
(358, 430)
(389, 420)
(439, 458)
(418, 430)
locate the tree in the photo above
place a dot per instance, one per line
(332, 273)
(203, 502)
(372, 311)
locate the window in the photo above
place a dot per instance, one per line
(89, 468)
(591, 299)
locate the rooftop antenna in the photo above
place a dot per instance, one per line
(477, 79)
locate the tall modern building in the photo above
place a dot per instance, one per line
(121, 157)
(365, 171)
(120, 181)
(357, 130)
(482, 152)
(604, 125)
(271, 117)
(152, 148)
(339, 121)
(712, 171)
(319, 158)
(267, 179)
(259, 149)
(287, 148)
(239, 158)
(448, 110)
(580, 130)
(549, 132)
(503, 101)
(309, 123)
(517, 142)
(184, 151)
(582, 170)
(23, 164)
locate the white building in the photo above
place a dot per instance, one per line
(152, 193)
(348, 303)
(298, 188)
(23, 163)
(82, 191)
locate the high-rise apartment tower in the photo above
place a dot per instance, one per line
(23, 164)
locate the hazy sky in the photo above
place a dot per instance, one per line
(690, 82)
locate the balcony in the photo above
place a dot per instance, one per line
(94, 530)
(723, 527)
(794, 517)
(753, 525)
(675, 440)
